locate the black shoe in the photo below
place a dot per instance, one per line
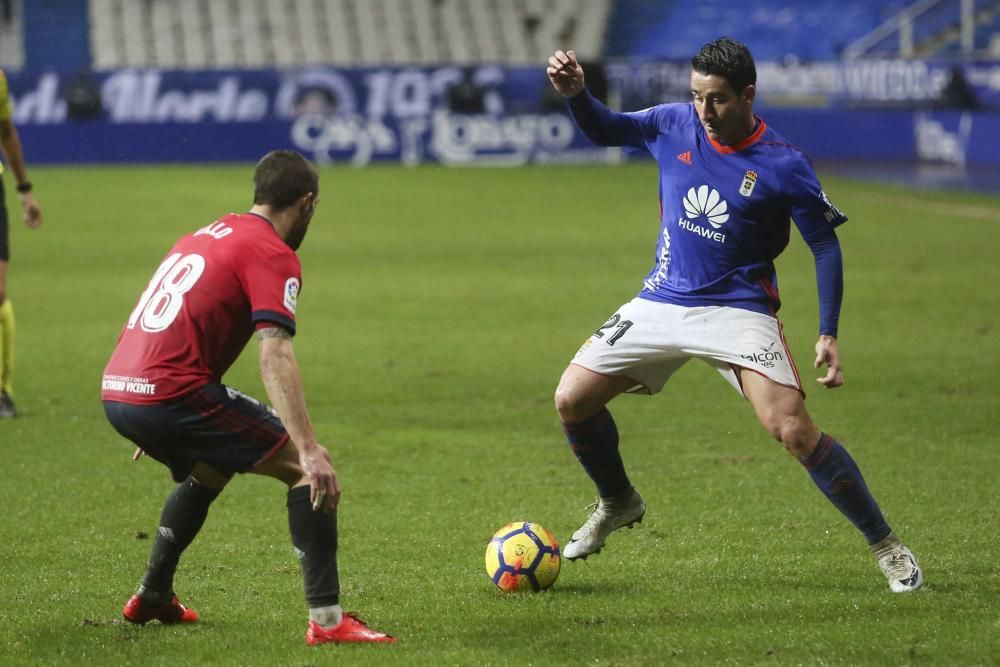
(7, 410)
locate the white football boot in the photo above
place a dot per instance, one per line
(900, 567)
(609, 515)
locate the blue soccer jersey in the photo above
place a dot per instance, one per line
(725, 210)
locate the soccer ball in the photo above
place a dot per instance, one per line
(522, 556)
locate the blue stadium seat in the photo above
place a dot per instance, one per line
(55, 35)
(774, 29)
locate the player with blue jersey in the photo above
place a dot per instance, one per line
(729, 185)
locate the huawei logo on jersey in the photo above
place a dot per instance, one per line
(707, 201)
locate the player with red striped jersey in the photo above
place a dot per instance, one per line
(162, 389)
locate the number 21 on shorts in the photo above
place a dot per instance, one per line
(164, 296)
(617, 324)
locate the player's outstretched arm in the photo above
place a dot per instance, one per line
(601, 125)
(282, 380)
(565, 73)
(828, 354)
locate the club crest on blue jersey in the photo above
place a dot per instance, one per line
(749, 181)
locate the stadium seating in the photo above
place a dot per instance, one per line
(290, 33)
(196, 34)
(52, 35)
(11, 40)
(774, 29)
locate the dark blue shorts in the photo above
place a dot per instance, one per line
(215, 425)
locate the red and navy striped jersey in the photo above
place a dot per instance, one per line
(215, 286)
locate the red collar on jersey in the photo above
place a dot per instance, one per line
(746, 143)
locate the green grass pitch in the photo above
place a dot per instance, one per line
(439, 308)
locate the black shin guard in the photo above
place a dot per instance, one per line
(182, 517)
(314, 536)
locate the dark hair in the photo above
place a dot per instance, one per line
(729, 59)
(282, 177)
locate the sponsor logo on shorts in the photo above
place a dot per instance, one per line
(768, 357)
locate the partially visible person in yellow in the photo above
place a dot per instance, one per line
(10, 151)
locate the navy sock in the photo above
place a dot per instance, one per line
(314, 536)
(837, 476)
(595, 443)
(183, 515)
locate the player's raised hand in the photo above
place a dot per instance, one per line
(324, 487)
(828, 354)
(565, 73)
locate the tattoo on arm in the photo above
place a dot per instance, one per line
(273, 332)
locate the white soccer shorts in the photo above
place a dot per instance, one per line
(649, 341)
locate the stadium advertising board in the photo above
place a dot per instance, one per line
(479, 115)
(353, 116)
(856, 84)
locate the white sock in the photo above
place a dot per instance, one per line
(326, 616)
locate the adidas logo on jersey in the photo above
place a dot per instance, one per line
(685, 157)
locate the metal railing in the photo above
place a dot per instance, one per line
(902, 25)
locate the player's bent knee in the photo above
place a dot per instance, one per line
(796, 435)
(562, 400)
(582, 393)
(571, 405)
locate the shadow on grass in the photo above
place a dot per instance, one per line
(600, 588)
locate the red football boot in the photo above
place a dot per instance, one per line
(350, 630)
(139, 612)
